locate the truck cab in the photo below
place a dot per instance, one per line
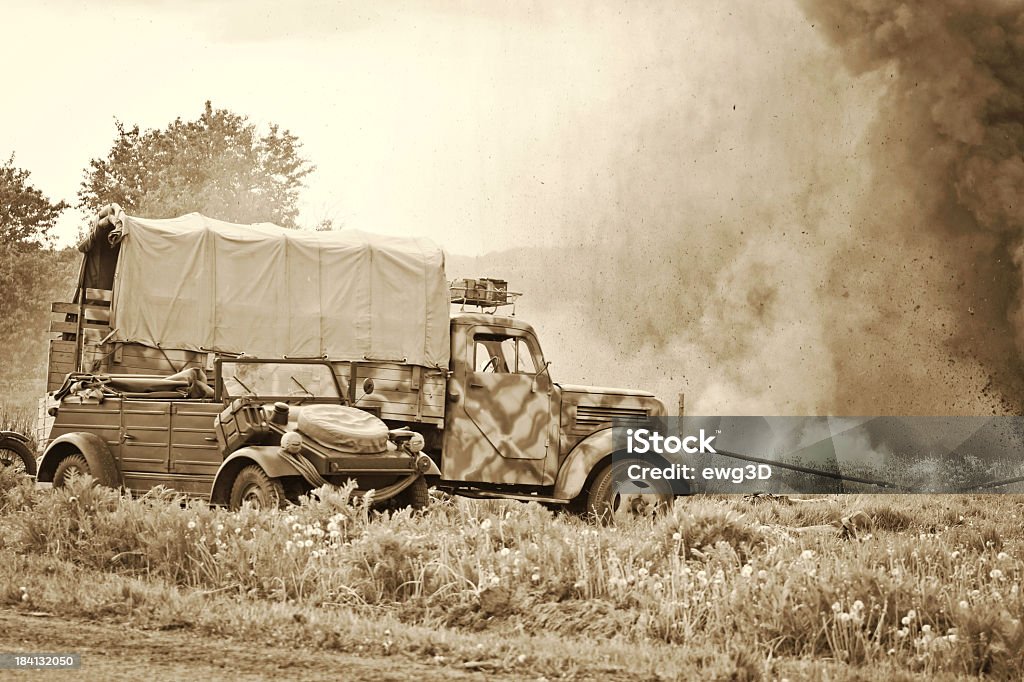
(511, 430)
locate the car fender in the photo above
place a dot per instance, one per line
(582, 459)
(13, 435)
(266, 456)
(102, 465)
(590, 453)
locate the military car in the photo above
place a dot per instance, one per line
(289, 323)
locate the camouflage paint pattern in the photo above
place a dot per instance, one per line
(503, 427)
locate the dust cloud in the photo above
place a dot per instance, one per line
(820, 216)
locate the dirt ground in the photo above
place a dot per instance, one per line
(117, 652)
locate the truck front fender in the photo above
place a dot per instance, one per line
(582, 459)
(97, 455)
(266, 456)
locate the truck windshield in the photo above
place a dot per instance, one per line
(282, 380)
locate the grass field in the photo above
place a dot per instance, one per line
(720, 588)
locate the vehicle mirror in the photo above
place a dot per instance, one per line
(367, 385)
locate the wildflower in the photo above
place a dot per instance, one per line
(535, 578)
(747, 570)
(762, 574)
(807, 554)
(191, 525)
(902, 632)
(909, 618)
(72, 499)
(963, 604)
(858, 605)
(288, 546)
(495, 581)
(238, 531)
(996, 574)
(579, 585)
(220, 527)
(1002, 556)
(926, 628)
(308, 543)
(677, 536)
(954, 554)
(642, 572)
(485, 524)
(844, 617)
(505, 551)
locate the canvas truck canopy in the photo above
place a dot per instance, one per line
(196, 283)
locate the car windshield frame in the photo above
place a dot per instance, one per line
(244, 388)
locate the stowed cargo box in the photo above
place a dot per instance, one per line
(485, 292)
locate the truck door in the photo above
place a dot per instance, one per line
(501, 426)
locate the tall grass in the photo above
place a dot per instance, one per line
(935, 587)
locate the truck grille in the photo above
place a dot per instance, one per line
(591, 416)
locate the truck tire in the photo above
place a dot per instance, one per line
(72, 465)
(15, 454)
(416, 496)
(607, 501)
(252, 486)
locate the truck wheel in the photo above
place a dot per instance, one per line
(252, 486)
(416, 496)
(613, 497)
(15, 454)
(72, 465)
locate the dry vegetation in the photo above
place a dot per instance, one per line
(720, 588)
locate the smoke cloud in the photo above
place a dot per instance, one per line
(827, 223)
(936, 250)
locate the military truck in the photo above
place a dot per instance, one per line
(288, 322)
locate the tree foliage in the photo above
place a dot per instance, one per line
(218, 165)
(31, 276)
(26, 214)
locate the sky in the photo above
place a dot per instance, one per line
(483, 126)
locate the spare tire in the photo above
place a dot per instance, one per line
(347, 429)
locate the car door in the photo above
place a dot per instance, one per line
(500, 431)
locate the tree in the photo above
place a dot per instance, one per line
(31, 275)
(26, 214)
(218, 165)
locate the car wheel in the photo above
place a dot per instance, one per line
(253, 487)
(17, 456)
(614, 497)
(72, 465)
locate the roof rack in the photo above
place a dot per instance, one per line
(484, 293)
